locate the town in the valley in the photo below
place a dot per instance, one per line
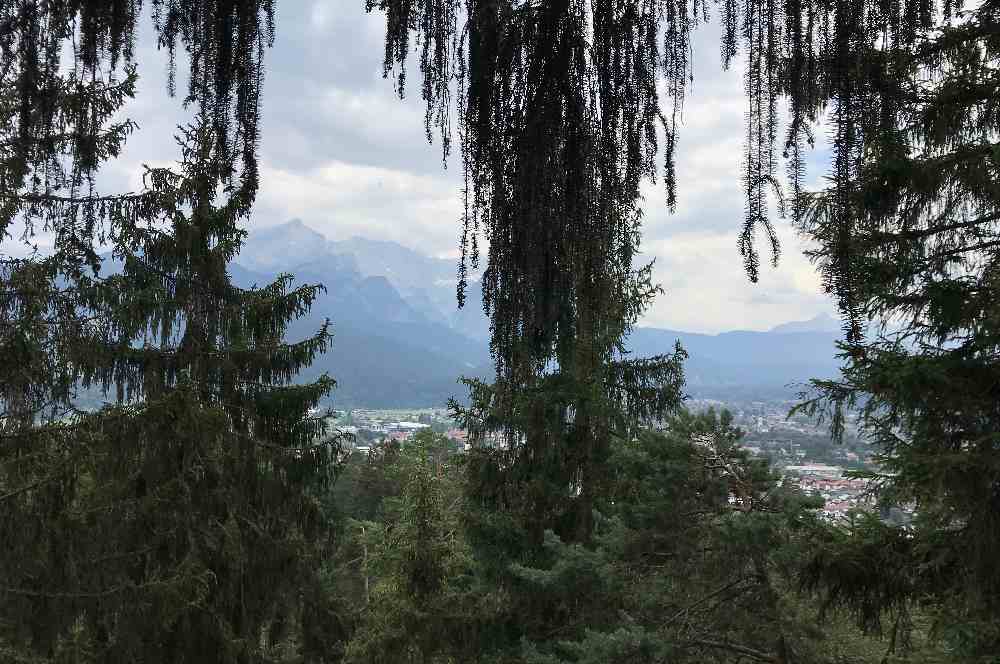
(798, 448)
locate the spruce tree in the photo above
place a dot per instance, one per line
(557, 111)
(178, 522)
(415, 561)
(909, 237)
(559, 131)
(689, 563)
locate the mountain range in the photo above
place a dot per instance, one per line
(400, 340)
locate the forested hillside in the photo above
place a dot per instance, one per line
(172, 489)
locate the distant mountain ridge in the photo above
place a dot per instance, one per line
(428, 283)
(401, 341)
(822, 323)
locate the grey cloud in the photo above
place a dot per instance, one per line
(343, 153)
(325, 98)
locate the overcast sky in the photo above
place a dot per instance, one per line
(341, 152)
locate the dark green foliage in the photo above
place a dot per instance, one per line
(909, 234)
(549, 475)
(694, 558)
(365, 480)
(558, 117)
(417, 560)
(561, 120)
(688, 562)
(556, 110)
(401, 577)
(541, 440)
(180, 521)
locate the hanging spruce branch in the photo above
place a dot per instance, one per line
(559, 104)
(559, 107)
(58, 101)
(559, 120)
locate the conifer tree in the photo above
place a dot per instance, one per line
(416, 557)
(909, 237)
(179, 522)
(557, 111)
(558, 133)
(694, 558)
(689, 563)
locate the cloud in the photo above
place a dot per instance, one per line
(342, 199)
(341, 151)
(707, 289)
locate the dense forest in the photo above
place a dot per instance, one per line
(202, 509)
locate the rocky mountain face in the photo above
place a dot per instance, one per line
(401, 341)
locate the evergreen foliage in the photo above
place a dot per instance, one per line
(689, 563)
(909, 235)
(558, 108)
(418, 561)
(695, 558)
(179, 522)
(557, 111)
(182, 522)
(67, 67)
(558, 117)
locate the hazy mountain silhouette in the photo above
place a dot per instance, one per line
(821, 323)
(400, 340)
(770, 363)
